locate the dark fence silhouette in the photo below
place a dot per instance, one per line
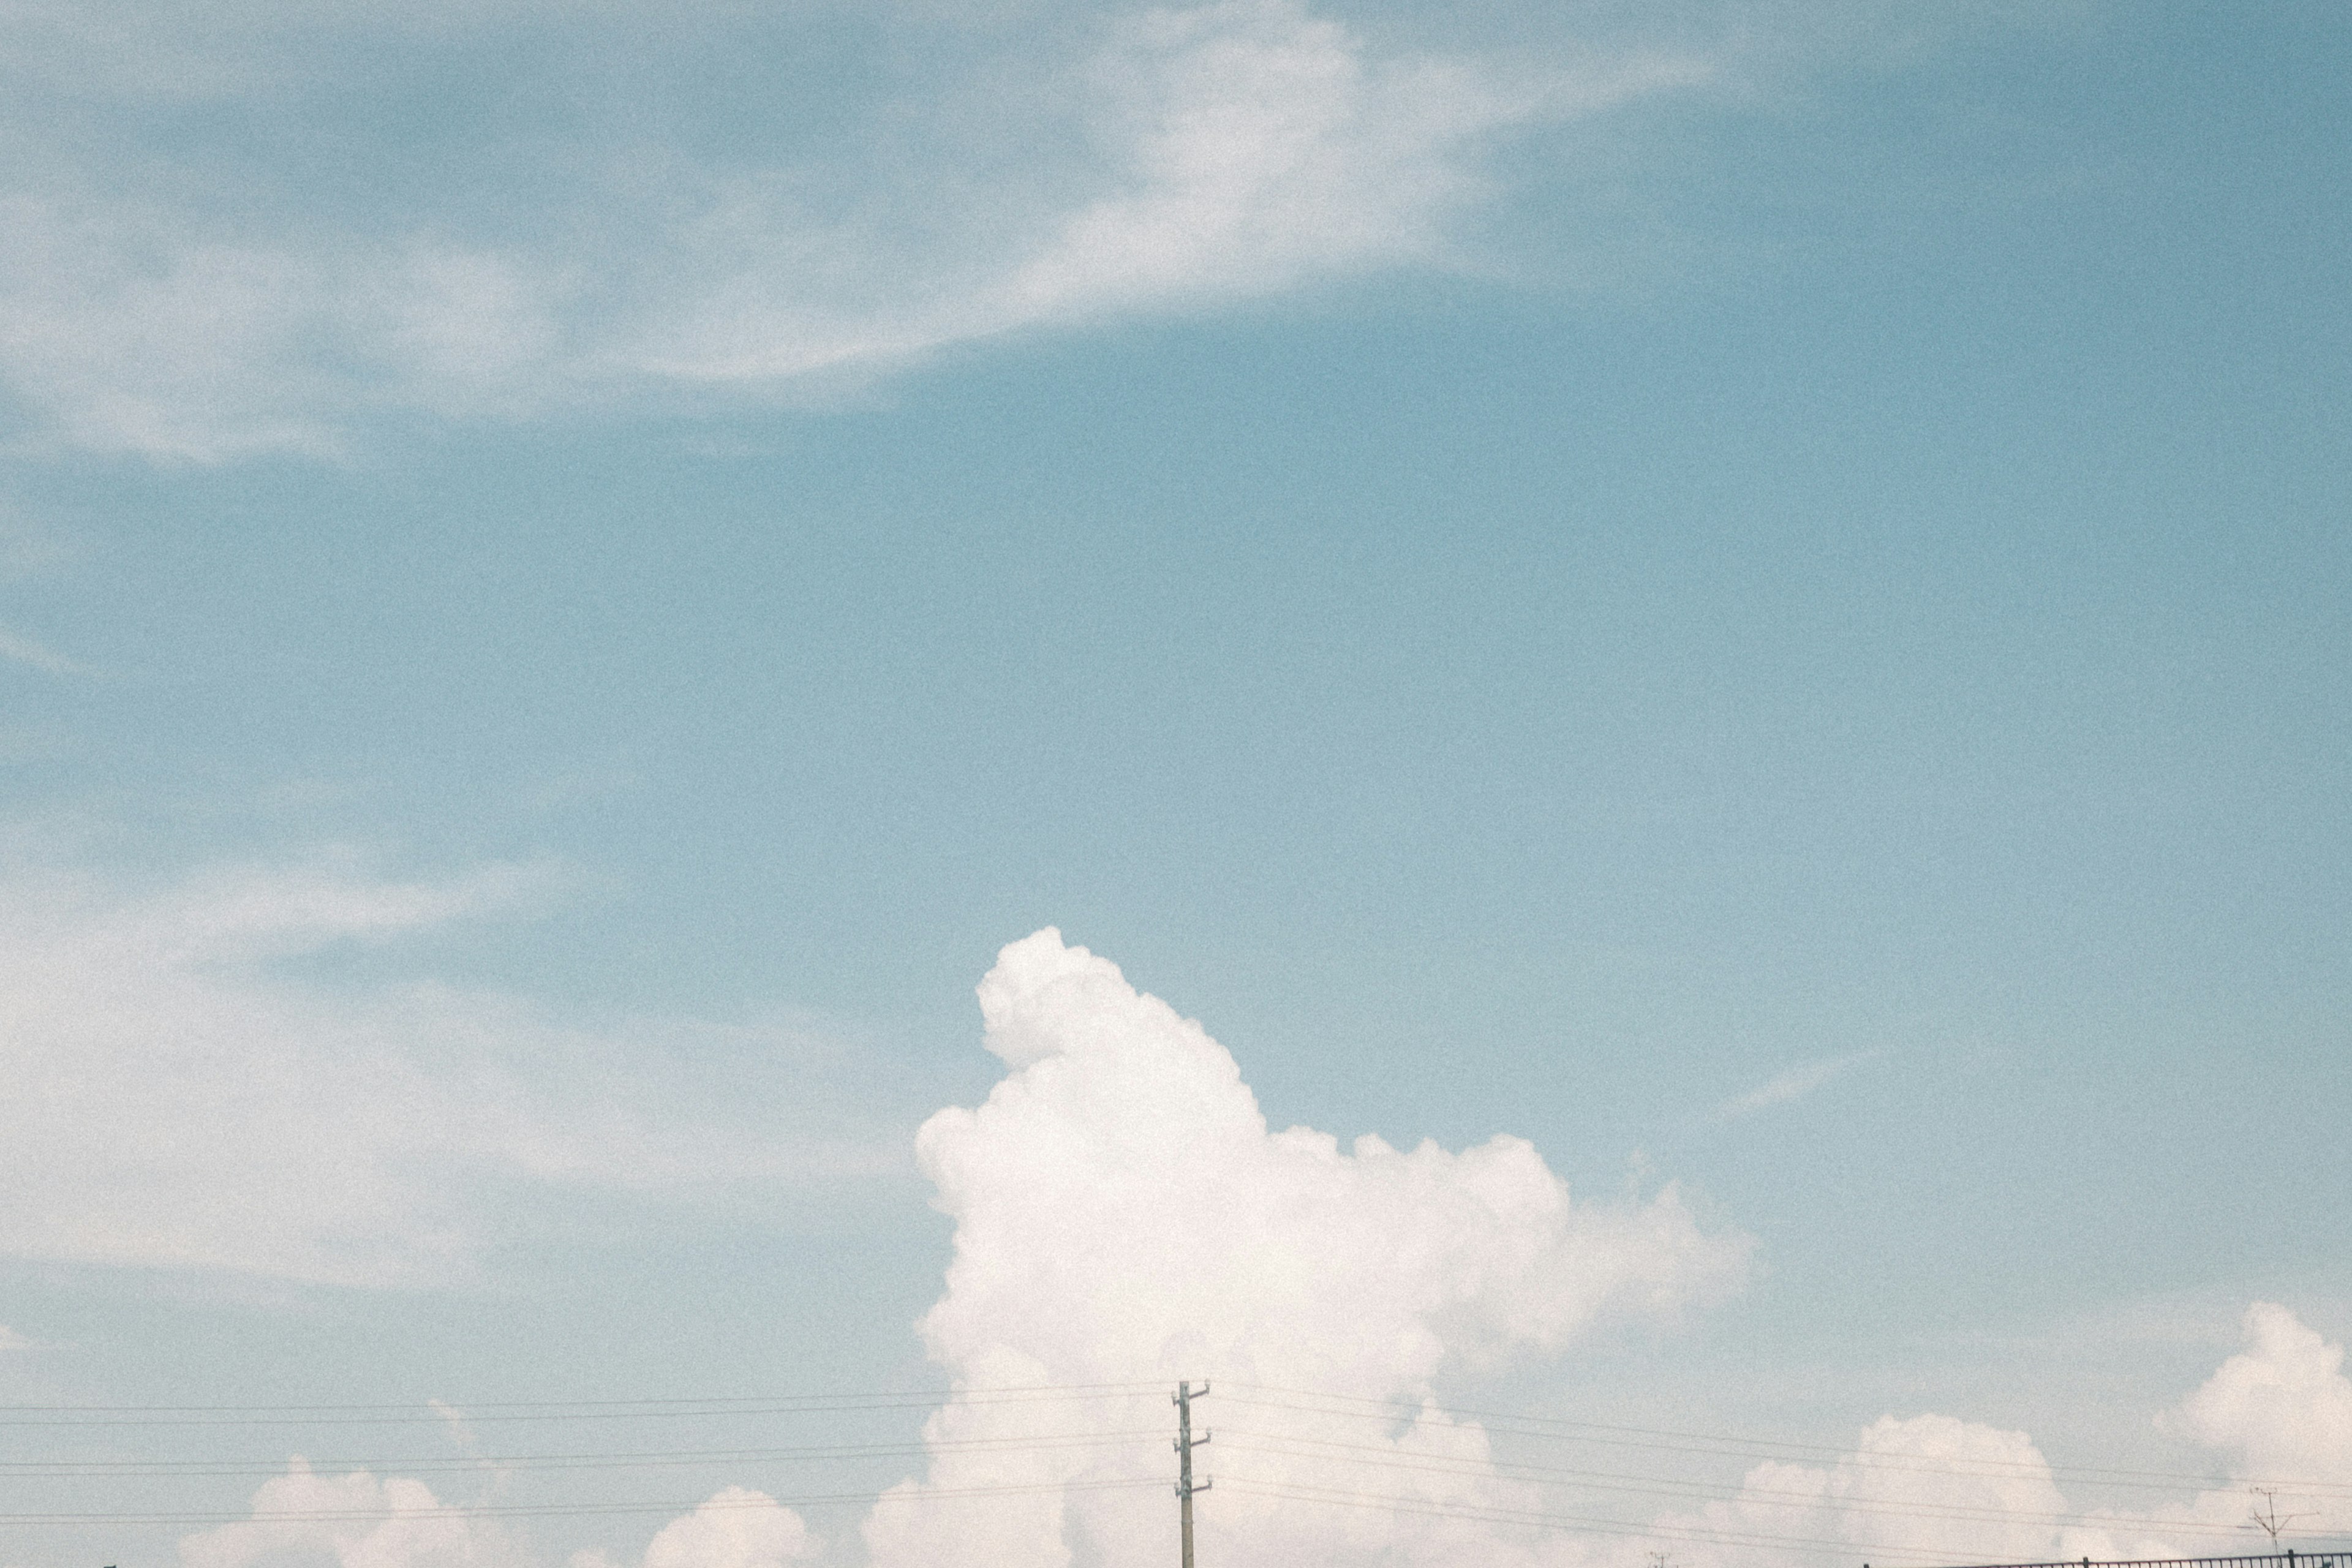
(2290, 1558)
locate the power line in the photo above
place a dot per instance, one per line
(1537, 1520)
(446, 1464)
(1541, 1519)
(1519, 1424)
(1295, 1445)
(104, 1417)
(1699, 1491)
(437, 1408)
(1317, 1450)
(537, 1510)
(1733, 1447)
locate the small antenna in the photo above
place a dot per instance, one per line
(2267, 1518)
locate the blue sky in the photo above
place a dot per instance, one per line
(1755, 595)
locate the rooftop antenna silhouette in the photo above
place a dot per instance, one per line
(2267, 1518)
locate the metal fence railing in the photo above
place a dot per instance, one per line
(2290, 1558)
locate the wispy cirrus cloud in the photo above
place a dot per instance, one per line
(1788, 1086)
(24, 650)
(1054, 168)
(181, 1099)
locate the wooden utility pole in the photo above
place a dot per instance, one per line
(1185, 1443)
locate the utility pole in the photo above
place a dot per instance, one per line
(1185, 1443)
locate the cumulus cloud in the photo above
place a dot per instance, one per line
(2280, 1411)
(356, 1521)
(2280, 1408)
(1418, 1487)
(1924, 1488)
(178, 1098)
(1126, 1217)
(1123, 1212)
(303, 1519)
(1933, 1489)
(1075, 165)
(738, 1528)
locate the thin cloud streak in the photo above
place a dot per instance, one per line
(25, 651)
(254, 1123)
(1167, 159)
(1788, 1087)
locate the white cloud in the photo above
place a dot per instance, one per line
(2280, 1410)
(1159, 160)
(24, 650)
(302, 1520)
(2282, 1406)
(1123, 1213)
(176, 1098)
(1246, 148)
(1125, 1216)
(10, 1340)
(135, 329)
(1786, 1087)
(1932, 1488)
(1914, 1491)
(738, 1528)
(355, 1521)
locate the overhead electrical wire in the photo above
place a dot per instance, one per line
(475, 1464)
(1354, 1406)
(1733, 1447)
(1289, 1445)
(885, 1397)
(1581, 1524)
(1691, 1492)
(538, 1511)
(101, 1415)
(1879, 1551)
